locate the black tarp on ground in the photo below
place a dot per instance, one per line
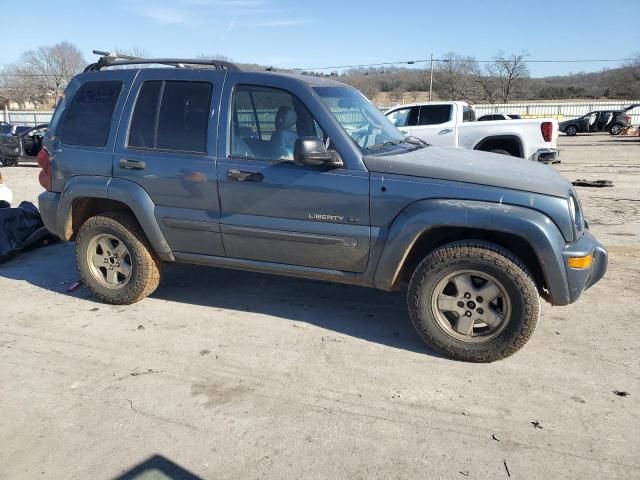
(20, 229)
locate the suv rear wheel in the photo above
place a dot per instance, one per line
(115, 259)
(473, 301)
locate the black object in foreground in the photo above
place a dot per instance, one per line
(21, 229)
(592, 183)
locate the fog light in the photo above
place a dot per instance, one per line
(580, 262)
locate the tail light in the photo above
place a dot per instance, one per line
(547, 131)
(44, 162)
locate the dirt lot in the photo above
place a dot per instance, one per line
(237, 375)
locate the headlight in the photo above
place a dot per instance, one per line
(575, 211)
(572, 209)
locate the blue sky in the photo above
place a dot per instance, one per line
(290, 33)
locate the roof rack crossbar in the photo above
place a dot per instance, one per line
(115, 59)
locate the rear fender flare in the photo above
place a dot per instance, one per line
(127, 192)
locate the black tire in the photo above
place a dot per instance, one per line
(145, 266)
(616, 129)
(483, 257)
(9, 162)
(501, 151)
(571, 130)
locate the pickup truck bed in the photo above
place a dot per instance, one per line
(452, 124)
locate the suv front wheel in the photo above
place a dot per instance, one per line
(473, 301)
(115, 259)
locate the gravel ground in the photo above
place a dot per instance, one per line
(225, 374)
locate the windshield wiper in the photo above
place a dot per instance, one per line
(384, 144)
(417, 141)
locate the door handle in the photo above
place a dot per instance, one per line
(244, 176)
(131, 164)
(446, 130)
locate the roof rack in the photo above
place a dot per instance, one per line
(108, 59)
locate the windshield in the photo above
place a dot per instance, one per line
(366, 125)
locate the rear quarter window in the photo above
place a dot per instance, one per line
(87, 121)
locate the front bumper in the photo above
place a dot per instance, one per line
(546, 155)
(580, 279)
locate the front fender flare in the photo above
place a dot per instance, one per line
(420, 217)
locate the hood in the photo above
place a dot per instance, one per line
(472, 166)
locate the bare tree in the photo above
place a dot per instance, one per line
(51, 68)
(510, 73)
(453, 79)
(17, 84)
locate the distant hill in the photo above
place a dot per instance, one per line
(392, 85)
(621, 83)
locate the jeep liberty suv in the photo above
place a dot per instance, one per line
(196, 161)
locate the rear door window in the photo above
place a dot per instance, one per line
(172, 116)
(434, 114)
(87, 121)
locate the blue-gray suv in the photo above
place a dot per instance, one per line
(196, 161)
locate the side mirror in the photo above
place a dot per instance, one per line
(311, 151)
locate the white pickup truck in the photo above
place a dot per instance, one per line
(453, 124)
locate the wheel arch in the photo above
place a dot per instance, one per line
(84, 197)
(428, 224)
(436, 237)
(511, 143)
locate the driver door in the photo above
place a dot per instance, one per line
(274, 210)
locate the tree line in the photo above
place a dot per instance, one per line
(506, 78)
(41, 75)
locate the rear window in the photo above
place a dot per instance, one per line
(171, 115)
(434, 114)
(87, 120)
(469, 115)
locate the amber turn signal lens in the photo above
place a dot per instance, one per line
(580, 262)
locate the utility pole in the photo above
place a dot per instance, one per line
(444, 60)
(431, 78)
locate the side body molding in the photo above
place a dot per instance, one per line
(125, 191)
(532, 226)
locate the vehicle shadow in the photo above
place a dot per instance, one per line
(628, 140)
(158, 467)
(372, 315)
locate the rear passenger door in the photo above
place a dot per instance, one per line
(166, 144)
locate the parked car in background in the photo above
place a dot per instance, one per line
(5, 193)
(612, 121)
(5, 128)
(499, 116)
(23, 142)
(453, 124)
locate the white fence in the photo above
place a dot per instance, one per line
(26, 117)
(561, 111)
